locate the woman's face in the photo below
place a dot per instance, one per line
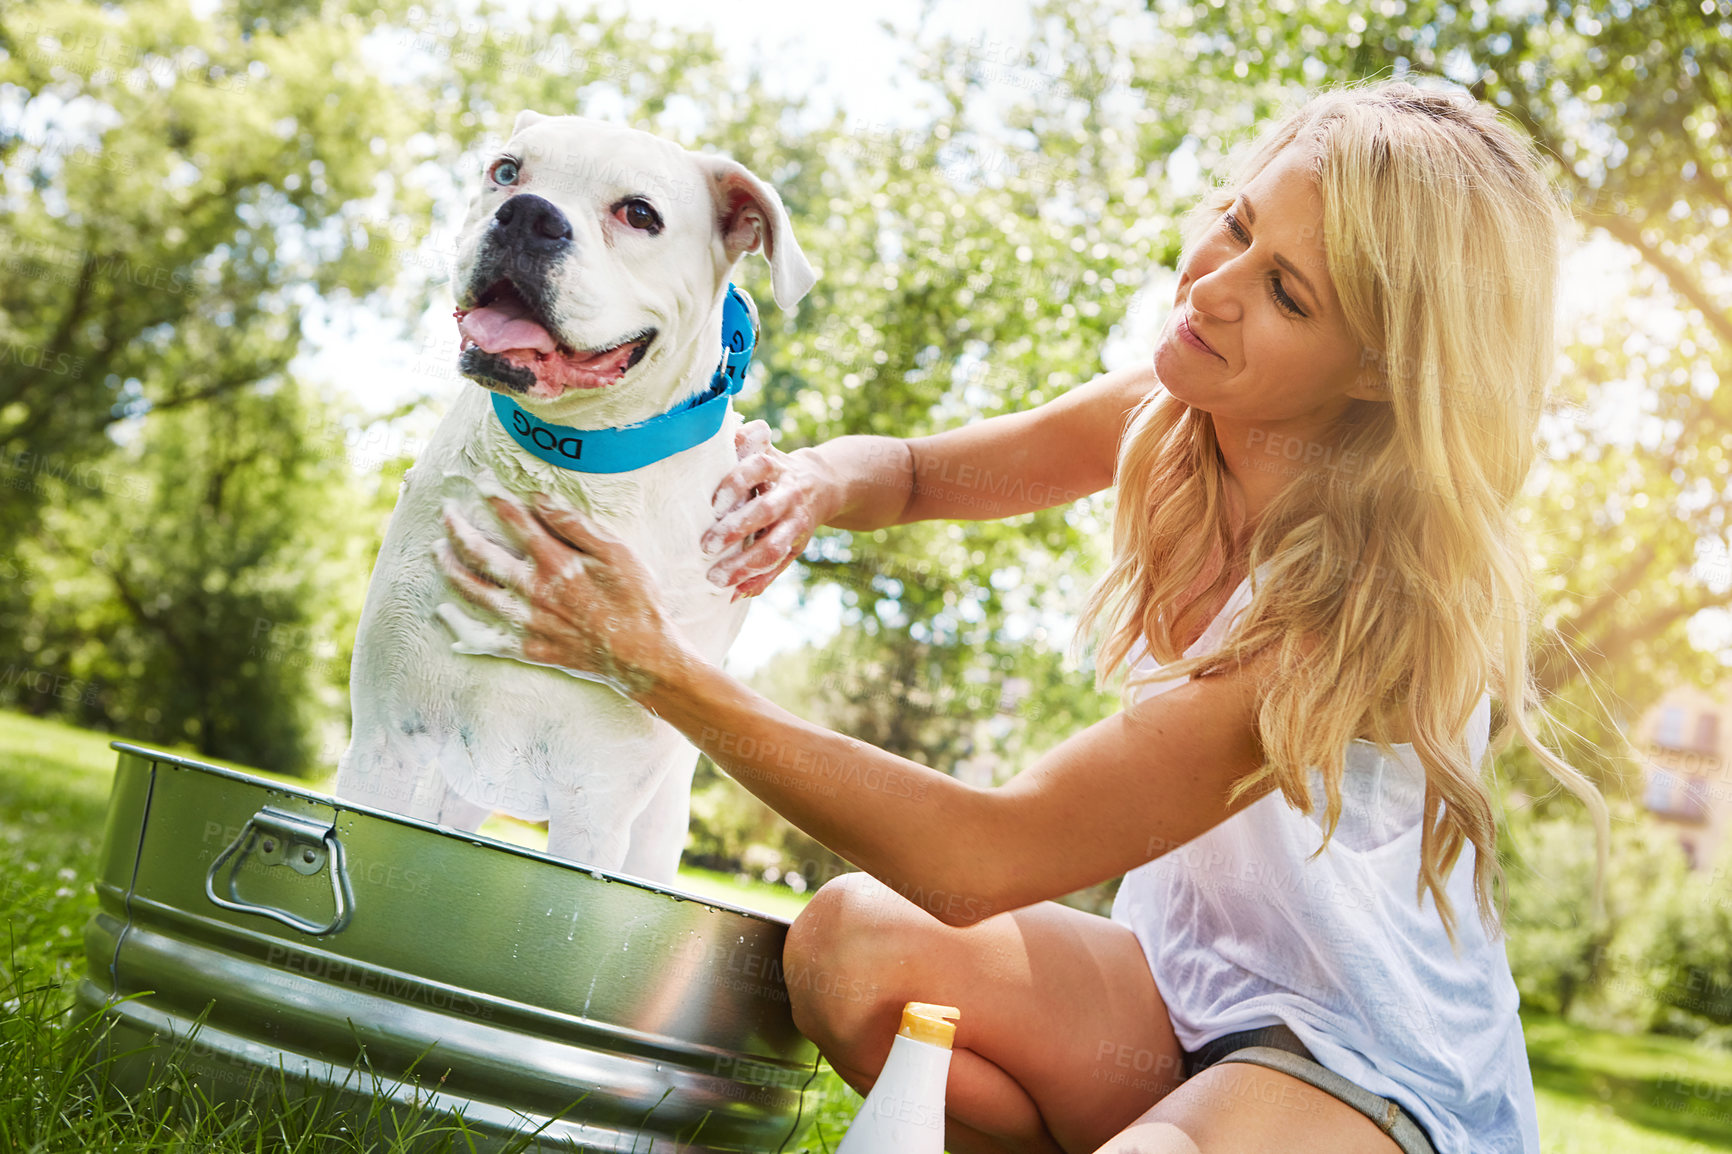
(1256, 336)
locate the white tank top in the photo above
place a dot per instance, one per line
(1242, 931)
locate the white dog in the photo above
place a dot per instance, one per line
(591, 275)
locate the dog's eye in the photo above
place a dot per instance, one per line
(639, 214)
(504, 171)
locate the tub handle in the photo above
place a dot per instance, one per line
(279, 837)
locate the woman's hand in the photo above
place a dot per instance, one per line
(572, 597)
(766, 511)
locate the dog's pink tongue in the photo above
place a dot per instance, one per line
(503, 326)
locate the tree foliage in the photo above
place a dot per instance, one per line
(177, 188)
(192, 601)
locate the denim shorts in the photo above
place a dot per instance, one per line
(1279, 1048)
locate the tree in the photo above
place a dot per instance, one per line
(209, 593)
(178, 187)
(197, 179)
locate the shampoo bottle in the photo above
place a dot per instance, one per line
(904, 1113)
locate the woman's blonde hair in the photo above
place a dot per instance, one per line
(1396, 586)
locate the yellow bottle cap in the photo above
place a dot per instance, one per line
(925, 1022)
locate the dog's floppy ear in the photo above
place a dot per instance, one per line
(524, 120)
(749, 218)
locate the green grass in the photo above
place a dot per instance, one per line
(1647, 1094)
(752, 894)
(1598, 1091)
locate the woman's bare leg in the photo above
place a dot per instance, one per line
(1236, 1107)
(1064, 1040)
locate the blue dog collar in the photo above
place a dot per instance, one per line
(633, 446)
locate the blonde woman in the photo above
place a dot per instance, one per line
(1318, 585)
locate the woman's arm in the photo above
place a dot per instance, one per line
(1115, 795)
(1016, 463)
(1020, 462)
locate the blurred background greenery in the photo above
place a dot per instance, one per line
(190, 513)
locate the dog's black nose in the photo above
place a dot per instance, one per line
(532, 224)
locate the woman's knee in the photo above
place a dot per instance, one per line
(843, 955)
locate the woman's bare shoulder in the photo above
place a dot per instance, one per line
(1123, 388)
(1100, 410)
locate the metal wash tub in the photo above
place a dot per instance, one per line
(265, 934)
